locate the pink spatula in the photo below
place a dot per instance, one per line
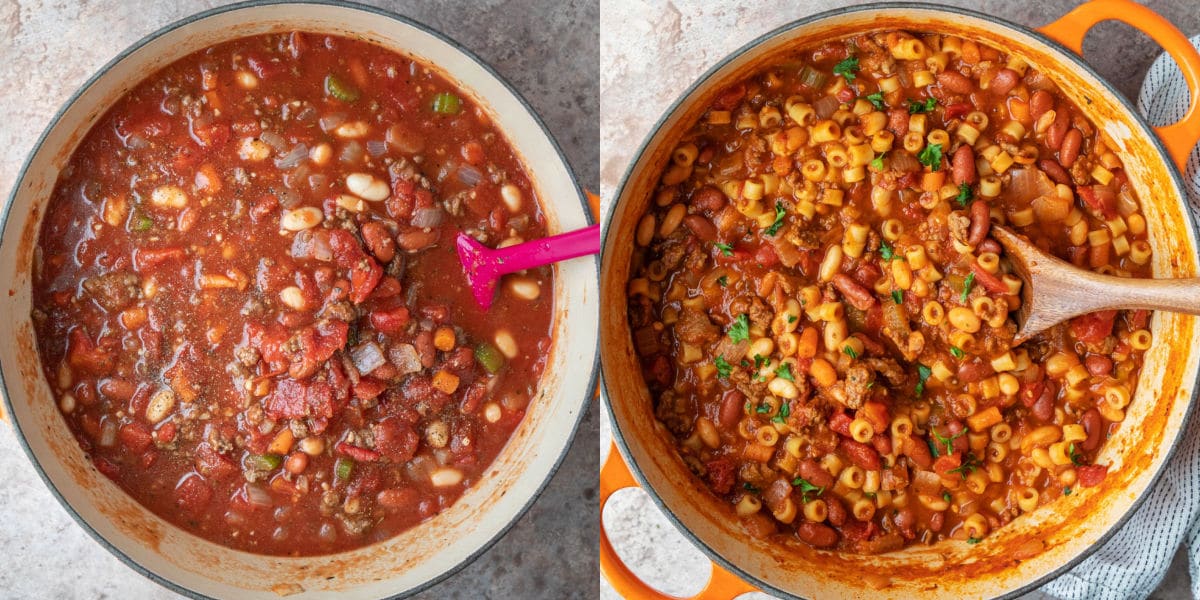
(484, 266)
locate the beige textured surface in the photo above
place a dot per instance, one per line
(650, 52)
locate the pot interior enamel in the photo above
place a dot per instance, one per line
(1032, 548)
(412, 559)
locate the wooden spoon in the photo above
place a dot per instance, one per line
(1053, 290)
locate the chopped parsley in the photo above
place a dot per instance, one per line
(785, 410)
(946, 496)
(847, 68)
(973, 540)
(762, 408)
(948, 441)
(1076, 457)
(970, 463)
(792, 318)
(725, 249)
(850, 351)
(923, 374)
(898, 296)
(877, 162)
(957, 352)
(779, 214)
(967, 283)
(739, 331)
(723, 367)
(933, 448)
(759, 361)
(931, 156)
(785, 372)
(750, 487)
(1066, 491)
(807, 488)
(964, 194)
(876, 100)
(723, 281)
(887, 253)
(918, 107)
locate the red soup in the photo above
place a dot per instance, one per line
(248, 303)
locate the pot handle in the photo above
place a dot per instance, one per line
(722, 585)
(1069, 30)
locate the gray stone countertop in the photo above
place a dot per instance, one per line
(650, 51)
(548, 51)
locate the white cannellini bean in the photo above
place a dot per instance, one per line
(512, 241)
(367, 187)
(65, 377)
(169, 196)
(352, 129)
(292, 297)
(445, 477)
(67, 403)
(492, 412)
(299, 219)
(524, 288)
(320, 154)
(506, 344)
(312, 446)
(161, 404)
(512, 197)
(254, 149)
(351, 203)
(246, 79)
(149, 288)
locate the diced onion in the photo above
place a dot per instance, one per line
(287, 198)
(293, 157)
(1027, 184)
(258, 495)
(376, 147)
(427, 217)
(469, 175)
(108, 433)
(367, 357)
(352, 152)
(275, 140)
(330, 122)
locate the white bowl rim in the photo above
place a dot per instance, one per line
(593, 376)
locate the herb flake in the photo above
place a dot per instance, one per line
(739, 331)
(916, 107)
(967, 284)
(723, 367)
(849, 351)
(931, 156)
(898, 296)
(923, 373)
(964, 194)
(779, 214)
(725, 249)
(957, 352)
(876, 100)
(847, 68)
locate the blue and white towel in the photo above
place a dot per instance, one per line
(1133, 562)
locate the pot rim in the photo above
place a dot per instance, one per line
(703, 79)
(592, 379)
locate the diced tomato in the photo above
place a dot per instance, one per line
(84, 355)
(148, 258)
(876, 414)
(357, 453)
(1099, 198)
(730, 97)
(213, 464)
(369, 388)
(882, 444)
(958, 110)
(106, 467)
(388, 287)
(165, 432)
(135, 436)
(1091, 475)
(265, 68)
(1092, 328)
(213, 136)
(192, 494)
(839, 422)
(395, 439)
(1139, 319)
(293, 399)
(390, 321)
(946, 463)
(858, 531)
(363, 279)
(845, 94)
(720, 475)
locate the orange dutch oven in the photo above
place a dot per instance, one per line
(1035, 547)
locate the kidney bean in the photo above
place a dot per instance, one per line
(937, 521)
(817, 535)
(955, 428)
(1097, 365)
(918, 451)
(1004, 82)
(814, 473)
(1054, 171)
(962, 165)
(117, 389)
(955, 82)
(701, 227)
(1070, 148)
(973, 370)
(837, 511)
(989, 245)
(708, 198)
(1091, 475)
(980, 222)
(860, 454)
(1094, 426)
(858, 296)
(1043, 407)
(1039, 103)
(905, 520)
(379, 241)
(1058, 129)
(732, 406)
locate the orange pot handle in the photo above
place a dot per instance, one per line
(593, 203)
(1180, 137)
(722, 585)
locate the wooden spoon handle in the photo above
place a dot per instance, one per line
(1100, 292)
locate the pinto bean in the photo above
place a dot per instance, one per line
(837, 511)
(732, 404)
(379, 241)
(708, 198)
(701, 227)
(813, 473)
(817, 535)
(1039, 103)
(962, 166)
(1054, 171)
(858, 296)
(1094, 427)
(1004, 82)
(1070, 148)
(955, 82)
(1058, 129)
(417, 239)
(1097, 365)
(980, 222)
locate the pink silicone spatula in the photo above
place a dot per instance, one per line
(484, 266)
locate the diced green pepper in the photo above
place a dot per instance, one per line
(142, 223)
(264, 462)
(343, 467)
(447, 104)
(340, 89)
(489, 356)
